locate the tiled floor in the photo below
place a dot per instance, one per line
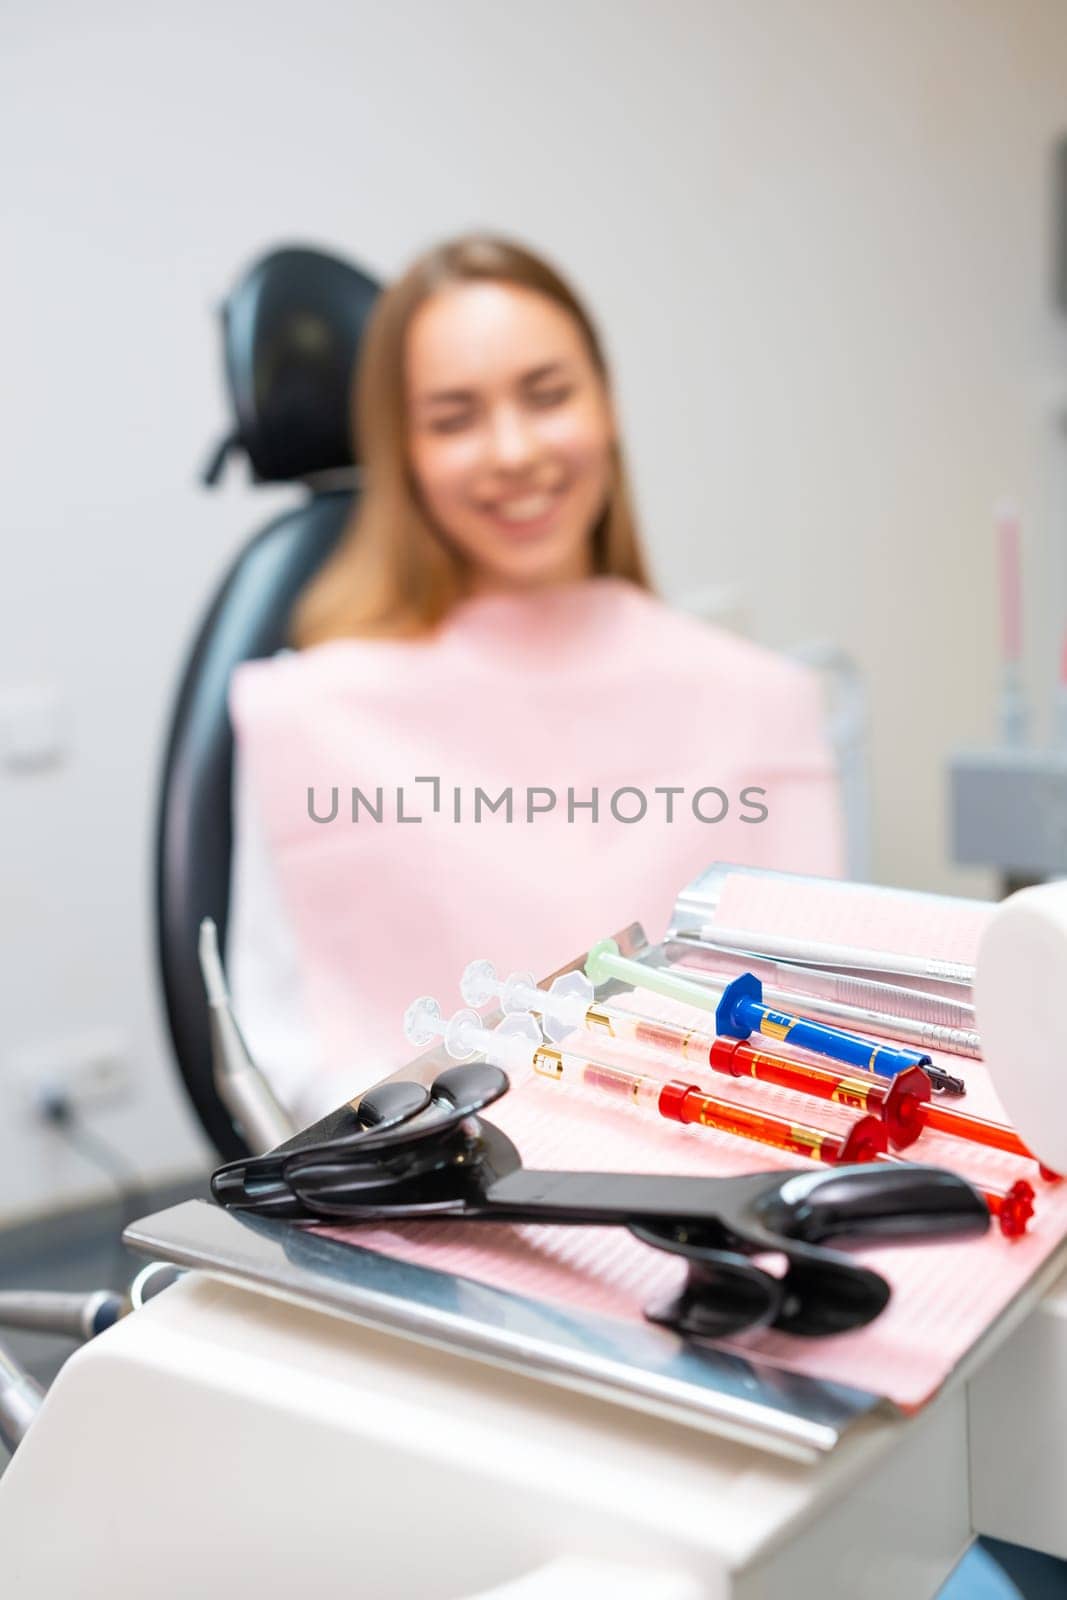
(81, 1251)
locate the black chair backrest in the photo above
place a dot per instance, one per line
(292, 331)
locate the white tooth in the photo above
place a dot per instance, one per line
(527, 509)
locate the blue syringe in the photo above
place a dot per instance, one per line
(740, 1012)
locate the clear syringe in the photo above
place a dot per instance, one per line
(517, 1042)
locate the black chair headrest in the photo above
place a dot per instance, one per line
(291, 330)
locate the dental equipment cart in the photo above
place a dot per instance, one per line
(299, 1414)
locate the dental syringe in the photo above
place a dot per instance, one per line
(902, 1103)
(740, 1012)
(686, 1102)
(517, 1042)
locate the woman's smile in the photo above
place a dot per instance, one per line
(526, 515)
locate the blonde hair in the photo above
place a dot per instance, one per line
(391, 575)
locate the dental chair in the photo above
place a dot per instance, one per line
(291, 331)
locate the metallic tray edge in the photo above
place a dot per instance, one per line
(647, 1369)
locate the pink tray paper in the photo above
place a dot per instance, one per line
(945, 1296)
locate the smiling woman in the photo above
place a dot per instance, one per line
(512, 433)
(522, 747)
(490, 447)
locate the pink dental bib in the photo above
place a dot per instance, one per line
(520, 716)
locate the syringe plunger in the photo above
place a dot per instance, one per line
(562, 1006)
(508, 1045)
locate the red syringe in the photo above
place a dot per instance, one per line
(678, 1101)
(687, 1102)
(903, 1103)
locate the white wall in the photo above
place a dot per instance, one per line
(815, 232)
